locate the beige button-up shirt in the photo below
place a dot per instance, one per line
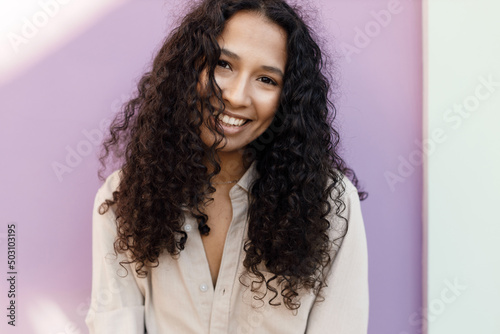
(178, 296)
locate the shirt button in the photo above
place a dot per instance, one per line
(187, 228)
(203, 287)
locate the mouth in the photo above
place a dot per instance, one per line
(229, 128)
(230, 121)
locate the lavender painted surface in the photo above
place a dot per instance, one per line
(381, 111)
(58, 104)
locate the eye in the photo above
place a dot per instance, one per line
(223, 64)
(268, 81)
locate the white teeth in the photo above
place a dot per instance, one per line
(231, 120)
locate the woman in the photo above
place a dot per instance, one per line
(229, 133)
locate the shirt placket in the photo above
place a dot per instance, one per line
(198, 273)
(219, 322)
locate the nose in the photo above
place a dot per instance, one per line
(236, 91)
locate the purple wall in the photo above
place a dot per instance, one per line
(59, 105)
(381, 111)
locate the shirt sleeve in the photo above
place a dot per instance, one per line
(345, 307)
(117, 304)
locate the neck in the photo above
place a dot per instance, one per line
(232, 167)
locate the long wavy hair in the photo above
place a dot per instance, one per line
(156, 136)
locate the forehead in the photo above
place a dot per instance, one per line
(248, 33)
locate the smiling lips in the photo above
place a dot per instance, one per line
(230, 129)
(232, 121)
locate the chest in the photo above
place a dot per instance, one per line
(220, 214)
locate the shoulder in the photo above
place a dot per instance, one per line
(110, 185)
(105, 191)
(104, 225)
(346, 220)
(344, 187)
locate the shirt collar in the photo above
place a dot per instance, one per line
(250, 175)
(245, 181)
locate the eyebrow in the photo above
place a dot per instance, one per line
(233, 55)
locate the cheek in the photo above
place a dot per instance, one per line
(269, 118)
(268, 109)
(265, 120)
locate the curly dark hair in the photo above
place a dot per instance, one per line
(156, 135)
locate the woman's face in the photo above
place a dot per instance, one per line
(250, 75)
